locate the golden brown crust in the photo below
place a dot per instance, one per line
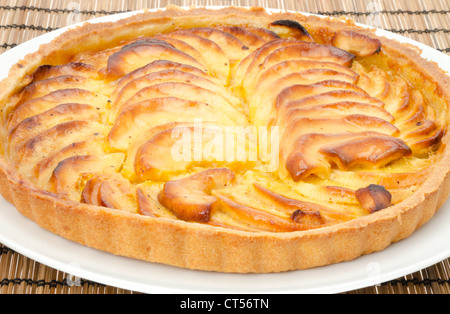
(212, 248)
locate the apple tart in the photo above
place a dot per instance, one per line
(228, 140)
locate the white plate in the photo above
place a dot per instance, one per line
(426, 247)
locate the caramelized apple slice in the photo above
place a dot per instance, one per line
(339, 109)
(187, 92)
(44, 168)
(366, 152)
(356, 43)
(374, 198)
(212, 53)
(250, 39)
(256, 218)
(190, 198)
(308, 214)
(315, 154)
(147, 114)
(277, 52)
(234, 48)
(297, 92)
(142, 52)
(42, 88)
(45, 72)
(111, 191)
(175, 151)
(290, 29)
(54, 139)
(68, 176)
(52, 100)
(31, 127)
(134, 86)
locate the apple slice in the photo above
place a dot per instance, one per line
(45, 87)
(43, 170)
(141, 52)
(31, 127)
(234, 48)
(374, 198)
(286, 115)
(173, 75)
(290, 29)
(356, 43)
(39, 147)
(306, 213)
(211, 52)
(142, 116)
(157, 66)
(111, 191)
(190, 198)
(250, 39)
(68, 175)
(298, 92)
(187, 92)
(315, 154)
(52, 100)
(254, 217)
(178, 150)
(45, 72)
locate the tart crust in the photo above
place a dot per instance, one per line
(210, 248)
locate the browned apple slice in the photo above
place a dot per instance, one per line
(157, 66)
(44, 168)
(52, 100)
(142, 52)
(290, 29)
(233, 47)
(264, 33)
(256, 218)
(39, 147)
(145, 115)
(42, 88)
(177, 150)
(67, 178)
(31, 127)
(186, 48)
(250, 39)
(302, 51)
(356, 43)
(134, 86)
(315, 154)
(320, 70)
(111, 191)
(309, 214)
(426, 145)
(212, 53)
(374, 198)
(190, 198)
(374, 152)
(340, 109)
(279, 51)
(298, 92)
(45, 72)
(188, 92)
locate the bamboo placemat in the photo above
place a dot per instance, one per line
(426, 21)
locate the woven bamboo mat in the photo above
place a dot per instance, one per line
(427, 21)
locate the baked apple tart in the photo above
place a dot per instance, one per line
(228, 140)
